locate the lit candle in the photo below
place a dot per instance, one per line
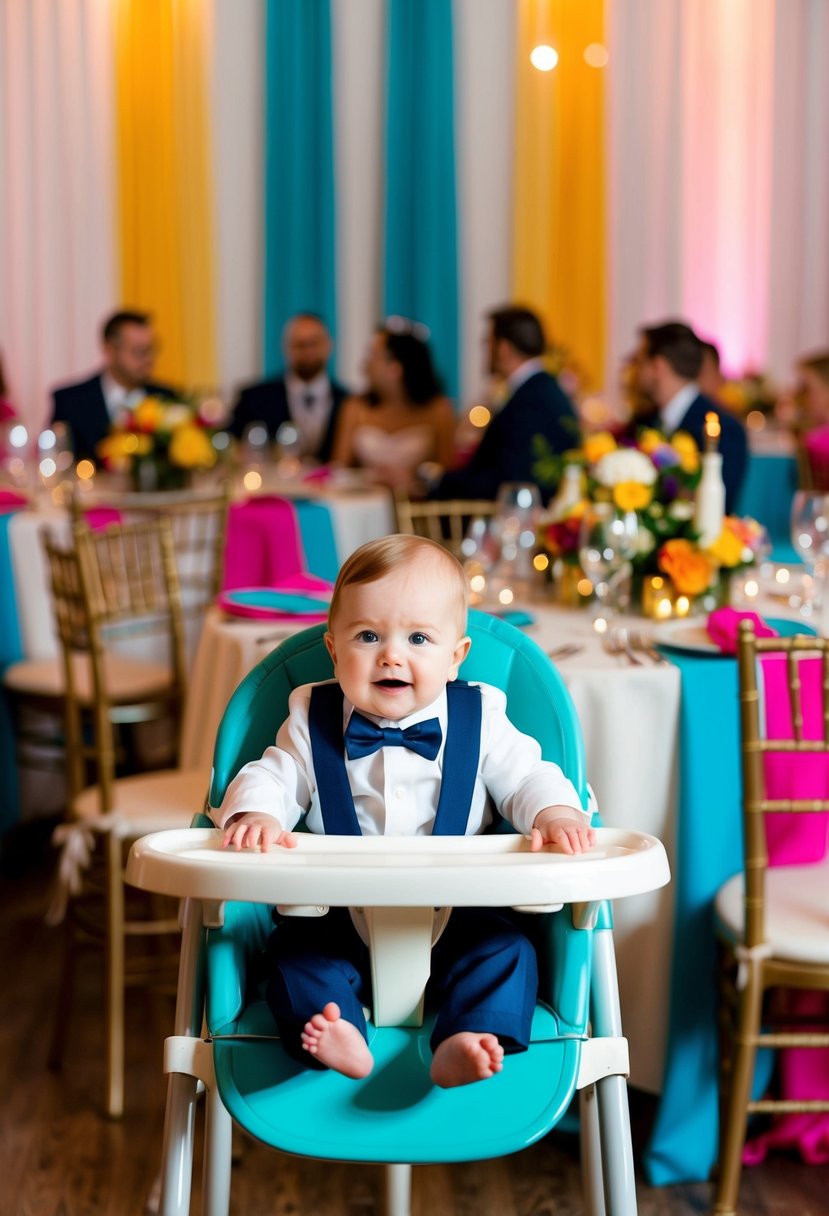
(710, 504)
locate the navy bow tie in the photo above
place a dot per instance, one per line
(363, 737)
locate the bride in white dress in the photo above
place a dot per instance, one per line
(403, 421)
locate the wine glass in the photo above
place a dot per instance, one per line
(810, 537)
(607, 542)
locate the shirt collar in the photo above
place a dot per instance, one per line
(530, 368)
(117, 397)
(318, 386)
(673, 413)
(437, 709)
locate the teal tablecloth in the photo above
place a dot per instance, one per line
(11, 650)
(767, 497)
(318, 541)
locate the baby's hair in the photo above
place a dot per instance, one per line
(377, 558)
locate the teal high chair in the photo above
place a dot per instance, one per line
(396, 1115)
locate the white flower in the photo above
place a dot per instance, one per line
(645, 542)
(682, 509)
(625, 464)
(177, 415)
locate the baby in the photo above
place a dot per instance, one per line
(398, 746)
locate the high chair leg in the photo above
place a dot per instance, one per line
(398, 1190)
(611, 1092)
(217, 1150)
(590, 1144)
(182, 1089)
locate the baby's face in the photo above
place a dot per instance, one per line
(396, 642)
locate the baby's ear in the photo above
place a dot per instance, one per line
(458, 656)
(329, 646)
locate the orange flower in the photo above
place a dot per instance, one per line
(686, 566)
(598, 445)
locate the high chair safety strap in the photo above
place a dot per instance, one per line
(460, 760)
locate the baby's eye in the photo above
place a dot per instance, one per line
(418, 639)
(367, 635)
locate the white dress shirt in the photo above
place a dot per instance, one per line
(309, 404)
(676, 409)
(119, 400)
(395, 790)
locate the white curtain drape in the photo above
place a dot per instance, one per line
(57, 272)
(719, 195)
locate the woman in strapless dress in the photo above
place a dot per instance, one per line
(403, 420)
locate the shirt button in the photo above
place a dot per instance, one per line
(399, 794)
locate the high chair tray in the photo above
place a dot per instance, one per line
(396, 872)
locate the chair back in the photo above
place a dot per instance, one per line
(784, 721)
(445, 522)
(116, 591)
(198, 523)
(538, 702)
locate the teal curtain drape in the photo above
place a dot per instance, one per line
(421, 253)
(300, 273)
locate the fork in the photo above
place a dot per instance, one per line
(564, 652)
(616, 641)
(638, 641)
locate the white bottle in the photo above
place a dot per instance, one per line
(710, 504)
(569, 493)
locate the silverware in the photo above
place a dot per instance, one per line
(616, 641)
(639, 642)
(273, 637)
(564, 652)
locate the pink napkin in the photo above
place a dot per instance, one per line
(10, 499)
(724, 628)
(101, 517)
(295, 582)
(263, 546)
(322, 474)
(816, 444)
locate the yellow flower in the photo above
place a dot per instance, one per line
(598, 445)
(632, 495)
(728, 548)
(190, 448)
(686, 566)
(148, 415)
(649, 440)
(685, 447)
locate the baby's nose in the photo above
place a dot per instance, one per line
(390, 654)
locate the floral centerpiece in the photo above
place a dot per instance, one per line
(160, 444)
(657, 479)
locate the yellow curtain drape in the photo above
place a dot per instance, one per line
(559, 196)
(163, 190)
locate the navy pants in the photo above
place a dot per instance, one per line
(484, 976)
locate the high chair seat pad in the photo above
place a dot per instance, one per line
(396, 1113)
(127, 680)
(148, 802)
(797, 912)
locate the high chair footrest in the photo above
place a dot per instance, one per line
(397, 1113)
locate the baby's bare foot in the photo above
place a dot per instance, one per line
(337, 1044)
(466, 1057)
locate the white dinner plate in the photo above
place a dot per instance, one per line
(686, 634)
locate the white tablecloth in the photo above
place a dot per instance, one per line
(629, 716)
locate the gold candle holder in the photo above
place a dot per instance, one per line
(657, 597)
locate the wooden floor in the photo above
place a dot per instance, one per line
(60, 1157)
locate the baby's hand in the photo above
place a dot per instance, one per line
(562, 828)
(253, 831)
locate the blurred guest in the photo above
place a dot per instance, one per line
(813, 389)
(710, 379)
(7, 410)
(668, 363)
(813, 416)
(535, 405)
(304, 395)
(403, 421)
(91, 406)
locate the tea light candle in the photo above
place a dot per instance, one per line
(657, 598)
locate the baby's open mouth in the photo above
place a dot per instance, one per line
(392, 683)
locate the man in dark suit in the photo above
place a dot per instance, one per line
(536, 405)
(92, 406)
(303, 396)
(668, 362)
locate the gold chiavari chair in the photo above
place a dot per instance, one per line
(442, 521)
(115, 587)
(773, 923)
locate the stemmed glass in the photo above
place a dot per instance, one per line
(607, 542)
(810, 537)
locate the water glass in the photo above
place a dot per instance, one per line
(607, 543)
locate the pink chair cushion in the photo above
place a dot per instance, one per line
(263, 546)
